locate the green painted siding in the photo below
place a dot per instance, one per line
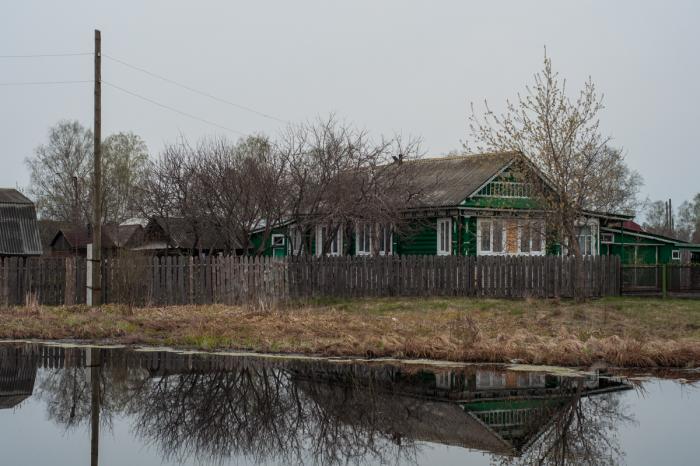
(634, 249)
(422, 242)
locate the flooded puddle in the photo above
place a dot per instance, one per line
(113, 406)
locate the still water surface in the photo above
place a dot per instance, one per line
(78, 405)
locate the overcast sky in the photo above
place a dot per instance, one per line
(408, 67)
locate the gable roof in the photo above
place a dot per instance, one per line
(80, 237)
(180, 233)
(19, 232)
(447, 181)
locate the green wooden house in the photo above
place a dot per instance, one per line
(472, 205)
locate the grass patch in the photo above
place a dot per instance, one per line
(638, 332)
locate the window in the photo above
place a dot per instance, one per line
(497, 236)
(332, 248)
(277, 240)
(585, 240)
(525, 236)
(676, 255)
(536, 236)
(363, 240)
(444, 234)
(607, 238)
(485, 229)
(295, 246)
(385, 240)
(501, 236)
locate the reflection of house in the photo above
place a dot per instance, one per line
(19, 232)
(492, 410)
(18, 367)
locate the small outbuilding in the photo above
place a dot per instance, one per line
(19, 231)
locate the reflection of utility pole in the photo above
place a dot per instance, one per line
(94, 362)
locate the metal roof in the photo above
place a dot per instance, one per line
(12, 196)
(19, 232)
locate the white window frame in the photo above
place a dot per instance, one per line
(447, 222)
(676, 254)
(337, 241)
(295, 245)
(381, 229)
(277, 236)
(363, 231)
(606, 237)
(592, 223)
(504, 236)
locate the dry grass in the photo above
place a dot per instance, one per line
(622, 331)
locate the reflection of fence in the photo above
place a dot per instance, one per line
(143, 280)
(659, 279)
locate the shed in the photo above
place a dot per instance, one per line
(19, 232)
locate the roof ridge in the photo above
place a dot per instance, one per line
(463, 156)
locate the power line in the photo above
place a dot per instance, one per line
(38, 83)
(172, 109)
(196, 91)
(46, 55)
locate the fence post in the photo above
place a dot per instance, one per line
(664, 286)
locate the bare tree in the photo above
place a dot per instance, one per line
(560, 138)
(338, 178)
(172, 191)
(243, 187)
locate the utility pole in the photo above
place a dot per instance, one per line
(94, 295)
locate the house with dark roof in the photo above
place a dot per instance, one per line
(19, 232)
(181, 236)
(71, 240)
(476, 205)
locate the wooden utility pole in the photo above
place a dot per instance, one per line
(95, 285)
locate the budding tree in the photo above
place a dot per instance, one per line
(560, 138)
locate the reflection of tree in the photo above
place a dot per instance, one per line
(255, 412)
(579, 430)
(291, 412)
(67, 392)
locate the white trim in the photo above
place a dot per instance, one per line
(505, 222)
(607, 239)
(676, 255)
(390, 239)
(338, 240)
(361, 228)
(448, 236)
(276, 236)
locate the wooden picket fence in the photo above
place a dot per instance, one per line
(496, 277)
(144, 281)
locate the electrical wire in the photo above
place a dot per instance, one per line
(46, 55)
(38, 83)
(172, 109)
(196, 91)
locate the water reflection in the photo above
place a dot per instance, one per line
(213, 408)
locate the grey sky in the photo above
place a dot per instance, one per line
(408, 67)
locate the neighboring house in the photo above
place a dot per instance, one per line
(169, 236)
(472, 205)
(73, 241)
(636, 246)
(19, 231)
